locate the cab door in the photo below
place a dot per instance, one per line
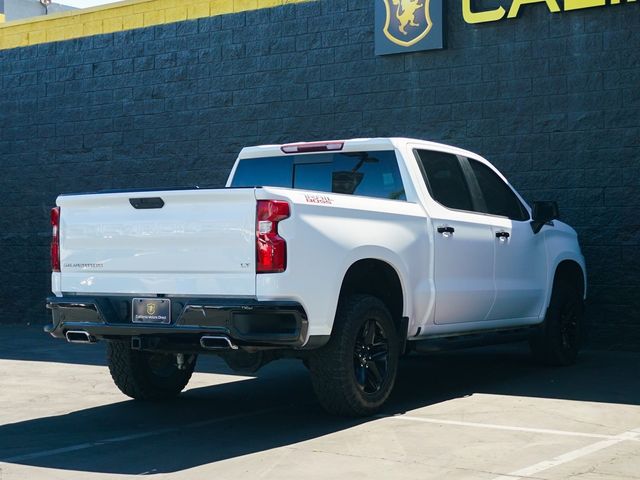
(464, 246)
(520, 255)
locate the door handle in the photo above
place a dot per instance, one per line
(503, 235)
(448, 230)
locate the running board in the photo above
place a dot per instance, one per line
(474, 339)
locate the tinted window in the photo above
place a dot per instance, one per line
(445, 180)
(498, 197)
(371, 174)
(260, 172)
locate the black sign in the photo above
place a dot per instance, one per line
(151, 310)
(408, 26)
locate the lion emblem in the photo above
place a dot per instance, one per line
(407, 21)
(406, 13)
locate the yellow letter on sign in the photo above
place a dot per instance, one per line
(552, 5)
(578, 4)
(480, 17)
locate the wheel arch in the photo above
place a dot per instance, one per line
(376, 277)
(571, 270)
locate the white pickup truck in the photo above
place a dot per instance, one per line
(345, 254)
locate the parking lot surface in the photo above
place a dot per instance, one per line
(485, 413)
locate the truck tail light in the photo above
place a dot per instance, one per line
(271, 248)
(55, 239)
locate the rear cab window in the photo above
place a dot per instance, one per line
(370, 174)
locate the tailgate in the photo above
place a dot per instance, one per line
(201, 242)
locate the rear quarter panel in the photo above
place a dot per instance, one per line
(327, 233)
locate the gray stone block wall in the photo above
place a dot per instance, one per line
(553, 100)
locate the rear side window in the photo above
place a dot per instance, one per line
(370, 174)
(498, 197)
(445, 179)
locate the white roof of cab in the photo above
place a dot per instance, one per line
(358, 144)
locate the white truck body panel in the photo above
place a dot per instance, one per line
(202, 243)
(324, 240)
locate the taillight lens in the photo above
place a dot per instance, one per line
(271, 248)
(55, 239)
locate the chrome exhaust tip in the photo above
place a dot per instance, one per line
(217, 342)
(79, 336)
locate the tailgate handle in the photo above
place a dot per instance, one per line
(146, 202)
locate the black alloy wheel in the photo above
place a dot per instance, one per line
(354, 373)
(559, 339)
(371, 357)
(569, 331)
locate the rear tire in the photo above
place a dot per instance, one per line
(354, 374)
(559, 338)
(147, 376)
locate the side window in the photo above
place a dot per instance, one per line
(445, 179)
(370, 174)
(498, 197)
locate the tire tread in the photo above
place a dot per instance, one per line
(133, 377)
(330, 372)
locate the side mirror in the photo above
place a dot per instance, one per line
(542, 213)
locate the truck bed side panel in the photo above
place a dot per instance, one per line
(327, 233)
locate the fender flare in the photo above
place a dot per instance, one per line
(382, 254)
(566, 256)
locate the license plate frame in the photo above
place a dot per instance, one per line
(155, 311)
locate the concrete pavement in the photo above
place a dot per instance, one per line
(478, 414)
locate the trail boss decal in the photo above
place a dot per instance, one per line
(323, 199)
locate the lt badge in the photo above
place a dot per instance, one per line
(408, 26)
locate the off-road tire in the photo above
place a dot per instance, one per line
(334, 366)
(559, 339)
(137, 375)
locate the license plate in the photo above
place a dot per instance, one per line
(151, 310)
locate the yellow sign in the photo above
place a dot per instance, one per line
(499, 13)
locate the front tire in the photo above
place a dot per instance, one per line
(559, 338)
(145, 375)
(354, 374)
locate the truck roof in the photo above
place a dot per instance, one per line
(351, 145)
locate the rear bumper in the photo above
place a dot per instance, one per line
(248, 322)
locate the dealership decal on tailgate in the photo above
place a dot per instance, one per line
(151, 310)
